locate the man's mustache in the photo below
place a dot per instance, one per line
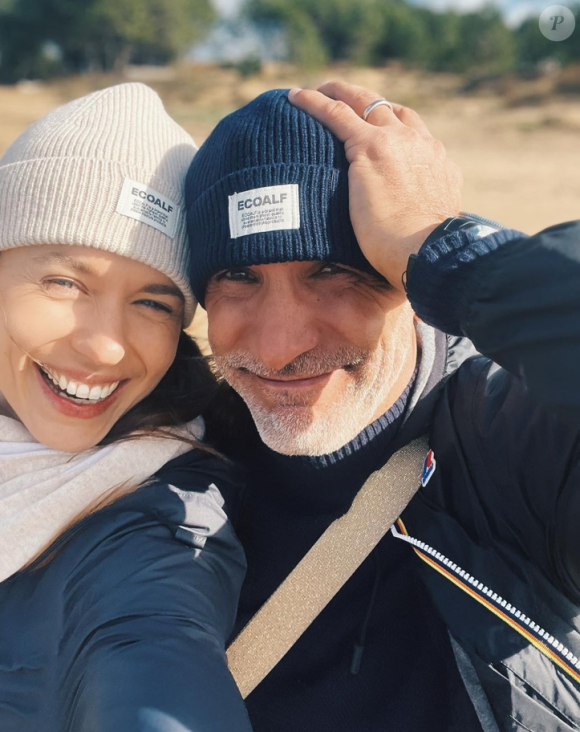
(307, 365)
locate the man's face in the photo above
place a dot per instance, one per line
(317, 351)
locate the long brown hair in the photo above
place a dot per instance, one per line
(184, 393)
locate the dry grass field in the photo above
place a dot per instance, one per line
(517, 142)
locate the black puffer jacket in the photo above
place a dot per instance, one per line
(496, 529)
(123, 629)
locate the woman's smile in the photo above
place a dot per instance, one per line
(82, 386)
(71, 405)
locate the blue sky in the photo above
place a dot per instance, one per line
(514, 10)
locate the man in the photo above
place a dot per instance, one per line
(466, 616)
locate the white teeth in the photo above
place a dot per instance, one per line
(80, 390)
(95, 392)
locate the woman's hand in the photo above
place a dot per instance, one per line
(401, 183)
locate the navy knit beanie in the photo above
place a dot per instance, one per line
(270, 184)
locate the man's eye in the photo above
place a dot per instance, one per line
(239, 274)
(331, 269)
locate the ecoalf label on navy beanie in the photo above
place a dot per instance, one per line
(272, 208)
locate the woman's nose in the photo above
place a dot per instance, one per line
(102, 342)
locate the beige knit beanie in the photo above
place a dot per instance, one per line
(105, 171)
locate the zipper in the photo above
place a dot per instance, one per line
(525, 626)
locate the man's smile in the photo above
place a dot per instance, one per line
(292, 383)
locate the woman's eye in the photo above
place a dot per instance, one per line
(61, 283)
(154, 305)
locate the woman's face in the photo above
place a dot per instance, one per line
(104, 327)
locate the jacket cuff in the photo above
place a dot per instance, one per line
(443, 277)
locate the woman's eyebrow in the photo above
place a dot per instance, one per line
(159, 289)
(67, 261)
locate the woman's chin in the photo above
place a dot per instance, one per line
(58, 433)
(66, 439)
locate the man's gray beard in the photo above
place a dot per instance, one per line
(295, 431)
(291, 428)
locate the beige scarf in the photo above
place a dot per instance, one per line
(42, 490)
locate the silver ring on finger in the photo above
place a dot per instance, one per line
(374, 105)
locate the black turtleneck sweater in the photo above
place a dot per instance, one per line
(407, 680)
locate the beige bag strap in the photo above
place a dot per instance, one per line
(342, 548)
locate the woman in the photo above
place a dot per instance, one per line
(116, 618)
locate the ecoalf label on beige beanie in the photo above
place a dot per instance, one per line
(145, 204)
(70, 179)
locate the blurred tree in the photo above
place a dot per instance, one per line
(487, 43)
(403, 34)
(305, 44)
(365, 32)
(371, 31)
(477, 41)
(328, 30)
(97, 34)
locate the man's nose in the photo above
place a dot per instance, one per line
(101, 341)
(284, 329)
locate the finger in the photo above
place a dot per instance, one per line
(410, 118)
(339, 117)
(359, 98)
